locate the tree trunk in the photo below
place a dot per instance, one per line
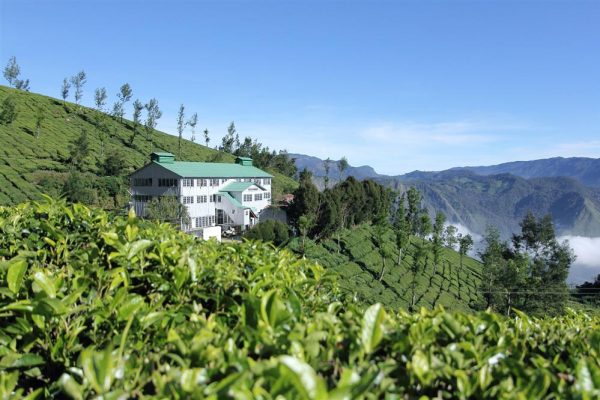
(383, 269)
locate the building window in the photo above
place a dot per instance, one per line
(188, 199)
(202, 182)
(267, 195)
(142, 182)
(167, 182)
(188, 182)
(201, 199)
(142, 198)
(267, 181)
(258, 196)
(223, 181)
(214, 182)
(215, 198)
(247, 197)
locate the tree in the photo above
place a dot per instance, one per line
(327, 167)
(39, 118)
(306, 200)
(342, 165)
(304, 224)
(11, 74)
(137, 119)
(424, 225)
(413, 198)
(437, 239)
(192, 122)
(100, 98)
(125, 93)
(103, 132)
(78, 188)
(8, 110)
(79, 149)
(379, 238)
(450, 236)
(465, 244)
(206, 137)
(401, 228)
(12, 71)
(228, 141)
(168, 209)
(118, 111)
(180, 127)
(65, 90)
(269, 231)
(115, 164)
(152, 116)
(78, 81)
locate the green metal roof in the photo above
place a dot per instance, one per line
(232, 200)
(163, 153)
(189, 169)
(239, 186)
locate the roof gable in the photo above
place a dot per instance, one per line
(190, 169)
(240, 186)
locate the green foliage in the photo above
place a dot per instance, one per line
(79, 150)
(95, 305)
(531, 274)
(367, 259)
(168, 209)
(8, 110)
(269, 231)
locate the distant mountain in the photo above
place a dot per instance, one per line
(585, 170)
(502, 200)
(500, 195)
(317, 167)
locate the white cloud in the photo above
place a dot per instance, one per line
(587, 264)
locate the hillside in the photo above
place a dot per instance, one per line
(117, 307)
(359, 263)
(317, 167)
(582, 169)
(26, 160)
(477, 201)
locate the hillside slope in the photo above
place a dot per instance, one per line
(26, 160)
(584, 170)
(359, 263)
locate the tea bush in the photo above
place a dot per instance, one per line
(93, 305)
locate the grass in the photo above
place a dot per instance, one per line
(358, 263)
(27, 160)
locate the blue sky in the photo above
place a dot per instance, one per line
(396, 85)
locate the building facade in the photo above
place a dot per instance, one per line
(215, 194)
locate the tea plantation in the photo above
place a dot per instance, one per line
(98, 306)
(26, 160)
(358, 261)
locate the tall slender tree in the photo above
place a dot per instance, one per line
(206, 137)
(78, 81)
(11, 74)
(65, 90)
(153, 114)
(437, 239)
(327, 167)
(12, 71)
(342, 165)
(401, 228)
(39, 116)
(100, 98)
(180, 128)
(192, 122)
(137, 119)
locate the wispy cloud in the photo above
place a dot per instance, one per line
(441, 133)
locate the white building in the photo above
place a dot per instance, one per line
(215, 194)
